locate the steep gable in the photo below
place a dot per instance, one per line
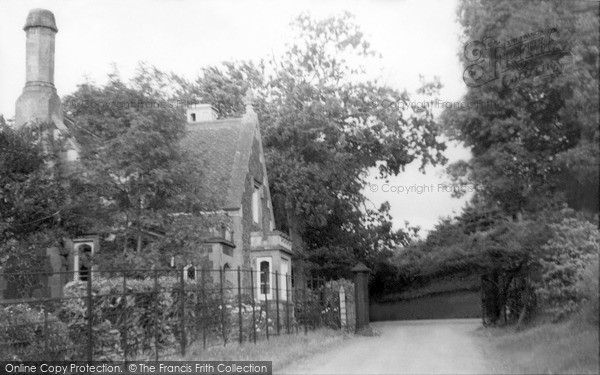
(223, 149)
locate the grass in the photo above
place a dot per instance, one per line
(564, 348)
(282, 350)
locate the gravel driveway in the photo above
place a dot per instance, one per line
(405, 347)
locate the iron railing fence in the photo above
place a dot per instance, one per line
(138, 314)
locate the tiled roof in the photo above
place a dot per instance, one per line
(223, 149)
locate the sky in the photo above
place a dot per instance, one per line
(414, 37)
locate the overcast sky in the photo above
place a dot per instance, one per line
(414, 37)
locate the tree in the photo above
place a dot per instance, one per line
(324, 125)
(131, 164)
(36, 211)
(534, 143)
(538, 143)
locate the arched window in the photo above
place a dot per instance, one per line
(189, 273)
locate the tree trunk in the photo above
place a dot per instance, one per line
(126, 237)
(492, 297)
(521, 317)
(138, 246)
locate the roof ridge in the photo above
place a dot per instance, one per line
(235, 120)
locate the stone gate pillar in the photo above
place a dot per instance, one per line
(361, 295)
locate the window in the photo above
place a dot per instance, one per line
(82, 262)
(229, 275)
(189, 273)
(193, 116)
(257, 204)
(265, 271)
(264, 278)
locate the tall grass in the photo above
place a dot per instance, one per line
(282, 350)
(570, 347)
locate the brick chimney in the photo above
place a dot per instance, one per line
(39, 100)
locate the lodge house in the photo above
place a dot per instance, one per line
(229, 151)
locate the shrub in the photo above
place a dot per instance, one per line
(106, 338)
(320, 307)
(147, 316)
(27, 333)
(572, 249)
(386, 279)
(261, 322)
(132, 320)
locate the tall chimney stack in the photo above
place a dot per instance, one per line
(39, 100)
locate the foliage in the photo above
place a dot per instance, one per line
(324, 125)
(573, 248)
(136, 312)
(35, 207)
(473, 243)
(136, 173)
(320, 305)
(263, 318)
(386, 278)
(27, 333)
(539, 142)
(534, 142)
(448, 249)
(134, 320)
(23, 163)
(147, 314)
